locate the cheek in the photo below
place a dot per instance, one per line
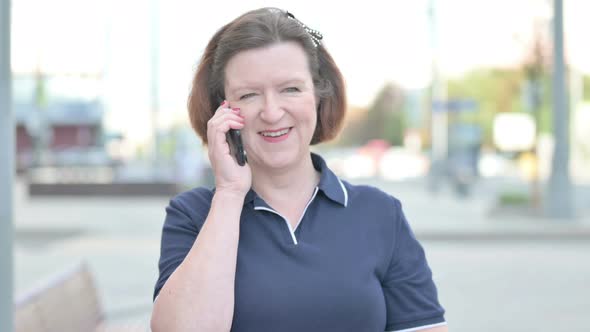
(311, 111)
(248, 132)
(248, 113)
(308, 105)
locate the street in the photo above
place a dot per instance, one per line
(506, 286)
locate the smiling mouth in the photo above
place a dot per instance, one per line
(276, 133)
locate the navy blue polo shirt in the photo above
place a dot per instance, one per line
(351, 264)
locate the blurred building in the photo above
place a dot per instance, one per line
(64, 131)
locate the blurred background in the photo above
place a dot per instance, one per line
(455, 108)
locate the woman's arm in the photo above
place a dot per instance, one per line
(199, 295)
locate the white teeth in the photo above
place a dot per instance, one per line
(275, 133)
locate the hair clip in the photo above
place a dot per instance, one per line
(315, 35)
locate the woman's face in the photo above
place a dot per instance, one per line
(273, 88)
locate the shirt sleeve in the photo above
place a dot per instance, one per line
(185, 216)
(410, 293)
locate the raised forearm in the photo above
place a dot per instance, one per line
(199, 295)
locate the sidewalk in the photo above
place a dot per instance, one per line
(431, 215)
(445, 216)
(118, 238)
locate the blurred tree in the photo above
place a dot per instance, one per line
(349, 135)
(40, 132)
(535, 68)
(41, 97)
(586, 93)
(495, 90)
(524, 89)
(384, 119)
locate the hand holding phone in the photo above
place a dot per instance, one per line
(226, 151)
(236, 146)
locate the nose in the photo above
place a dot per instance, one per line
(271, 110)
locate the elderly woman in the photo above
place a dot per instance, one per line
(281, 243)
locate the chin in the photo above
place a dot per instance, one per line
(281, 160)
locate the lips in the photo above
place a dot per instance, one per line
(275, 133)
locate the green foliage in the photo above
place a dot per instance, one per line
(495, 90)
(41, 94)
(168, 144)
(383, 120)
(513, 198)
(500, 90)
(586, 94)
(394, 128)
(385, 117)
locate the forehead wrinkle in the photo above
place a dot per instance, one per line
(245, 85)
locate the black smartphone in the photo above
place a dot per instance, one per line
(236, 147)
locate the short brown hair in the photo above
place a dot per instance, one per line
(260, 28)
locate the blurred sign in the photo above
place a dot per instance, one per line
(514, 132)
(531, 95)
(454, 105)
(464, 135)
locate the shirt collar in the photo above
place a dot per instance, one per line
(250, 196)
(329, 184)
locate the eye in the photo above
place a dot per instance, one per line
(292, 89)
(248, 95)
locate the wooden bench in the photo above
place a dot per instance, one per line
(68, 302)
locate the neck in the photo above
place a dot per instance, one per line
(280, 184)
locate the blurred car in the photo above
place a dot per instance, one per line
(399, 163)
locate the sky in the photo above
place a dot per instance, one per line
(373, 43)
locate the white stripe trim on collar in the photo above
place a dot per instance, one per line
(285, 219)
(315, 192)
(291, 230)
(344, 191)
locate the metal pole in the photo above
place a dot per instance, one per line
(155, 84)
(559, 204)
(438, 118)
(6, 172)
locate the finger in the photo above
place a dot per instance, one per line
(219, 146)
(218, 133)
(220, 111)
(222, 129)
(221, 124)
(225, 108)
(222, 108)
(223, 116)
